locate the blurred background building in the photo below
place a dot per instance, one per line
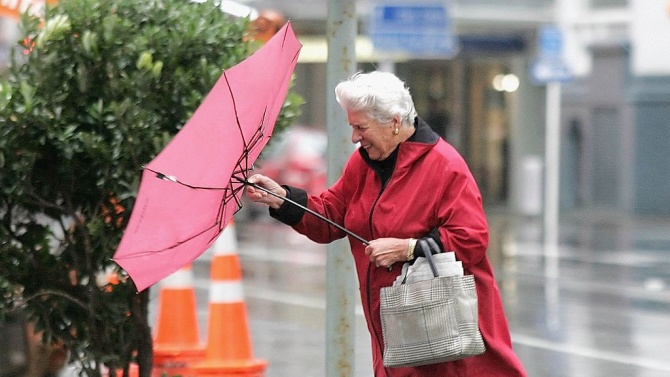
(615, 114)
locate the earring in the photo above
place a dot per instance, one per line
(396, 131)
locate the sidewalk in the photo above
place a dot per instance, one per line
(597, 309)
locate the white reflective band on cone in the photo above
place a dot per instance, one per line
(226, 244)
(226, 292)
(179, 279)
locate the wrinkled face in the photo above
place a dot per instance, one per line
(376, 138)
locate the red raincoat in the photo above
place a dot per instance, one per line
(430, 187)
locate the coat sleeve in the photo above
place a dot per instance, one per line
(463, 225)
(331, 204)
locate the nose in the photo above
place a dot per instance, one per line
(355, 136)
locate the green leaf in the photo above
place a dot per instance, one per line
(54, 28)
(28, 93)
(5, 95)
(89, 41)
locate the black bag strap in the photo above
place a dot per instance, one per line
(434, 248)
(429, 255)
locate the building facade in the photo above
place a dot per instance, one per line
(615, 114)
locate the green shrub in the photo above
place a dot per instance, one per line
(93, 92)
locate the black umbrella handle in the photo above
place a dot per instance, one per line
(329, 221)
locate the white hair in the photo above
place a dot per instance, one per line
(381, 95)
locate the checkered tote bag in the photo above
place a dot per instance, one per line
(430, 321)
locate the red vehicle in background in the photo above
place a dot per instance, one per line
(297, 158)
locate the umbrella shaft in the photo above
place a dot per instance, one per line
(329, 221)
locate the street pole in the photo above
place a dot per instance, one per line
(341, 301)
(552, 168)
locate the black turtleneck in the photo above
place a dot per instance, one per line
(384, 168)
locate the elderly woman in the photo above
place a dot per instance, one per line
(403, 183)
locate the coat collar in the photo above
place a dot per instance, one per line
(416, 145)
(423, 134)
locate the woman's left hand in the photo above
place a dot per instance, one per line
(384, 252)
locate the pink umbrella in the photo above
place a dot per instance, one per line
(192, 189)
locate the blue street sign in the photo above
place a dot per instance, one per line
(549, 66)
(550, 42)
(420, 28)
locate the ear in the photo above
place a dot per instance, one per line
(397, 121)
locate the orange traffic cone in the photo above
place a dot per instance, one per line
(229, 351)
(177, 338)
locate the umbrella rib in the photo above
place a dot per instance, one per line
(174, 179)
(283, 41)
(140, 254)
(314, 213)
(243, 162)
(257, 137)
(237, 117)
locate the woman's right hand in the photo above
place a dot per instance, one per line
(260, 196)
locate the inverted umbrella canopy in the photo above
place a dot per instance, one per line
(192, 189)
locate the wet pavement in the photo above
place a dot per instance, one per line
(601, 307)
(597, 307)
